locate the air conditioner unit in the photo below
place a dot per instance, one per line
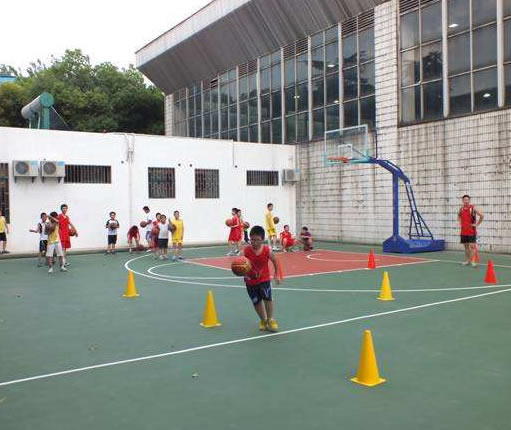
(53, 169)
(25, 169)
(291, 175)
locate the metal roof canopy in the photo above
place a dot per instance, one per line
(226, 33)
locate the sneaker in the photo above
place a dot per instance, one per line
(63, 269)
(473, 264)
(174, 258)
(180, 257)
(273, 326)
(107, 252)
(262, 325)
(131, 251)
(66, 264)
(50, 270)
(113, 252)
(5, 252)
(465, 263)
(229, 254)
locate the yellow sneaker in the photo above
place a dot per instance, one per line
(273, 326)
(262, 325)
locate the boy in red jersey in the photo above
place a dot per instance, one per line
(234, 233)
(286, 239)
(134, 236)
(467, 217)
(64, 230)
(258, 280)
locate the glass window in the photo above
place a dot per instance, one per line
(410, 67)
(317, 40)
(276, 131)
(290, 129)
(459, 15)
(243, 114)
(243, 83)
(367, 79)
(332, 57)
(264, 61)
(233, 93)
(409, 30)
(265, 107)
(207, 101)
(485, 46)
(289, 72)
(460, 95)
(302, 97)
(332, 117)
(332, 88)
(276, 104)
(265, 132)
(302, 127)
(275, 77)
(507, 40)
(483, 11)
(244, 134)
(224, 95)
(507, 77)
(207, 125)
(318, 123)
(224, 119)
(459, 54)
(433, 100)
(432, 61)
(302, 68)
(411, 104)
(275, 57)
(507, 7)
(233, 119)
(366, 44)
(331, 33)
(318, 62)
(349, 51)
(252, 111)
(290, 99)
(214, 99)
(431, 18)
(368, 112)
(318, 93)
(214, 123)
(265, 81)
(485, 89)
(252, 85)
(351, 113)
(350, 83)
(253, 133)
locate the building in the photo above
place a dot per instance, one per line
(431, 78)
(6, 78)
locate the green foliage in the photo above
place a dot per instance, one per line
(89, 98)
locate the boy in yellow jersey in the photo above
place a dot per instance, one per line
(4, 230)
(178, 231)
(270, 227)
(54, 244)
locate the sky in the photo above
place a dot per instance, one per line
(105, 30)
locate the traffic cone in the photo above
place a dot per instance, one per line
(131, 290)
(371, 263)
(209, 319)
(385, 292)
(490, 277)
(367, 373)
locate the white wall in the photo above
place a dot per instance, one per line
(89, 204)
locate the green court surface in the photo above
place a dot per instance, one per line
(77, 355)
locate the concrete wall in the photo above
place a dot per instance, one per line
(89, 204)
(444, 160)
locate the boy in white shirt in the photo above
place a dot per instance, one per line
(111, 225)
(41, 228)
(163, 237)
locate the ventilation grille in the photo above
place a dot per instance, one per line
(289, 51)
(243, 69)
(366, 19)
(214, 83)
(349, 26)
(252, 66)
(301, 45)
(406, 5)
(206, 85)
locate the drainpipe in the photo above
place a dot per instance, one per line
(130, 155)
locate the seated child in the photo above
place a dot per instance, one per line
(306, 239)
(134, 236)
(286, 239)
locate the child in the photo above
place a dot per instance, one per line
(112, 225)
(234, 233)
(306, 239)
(64, 230)
(43, 238)
(54, 244)
(270, 227)
(133, 235)
(149, 225)
(286, 240)
(153, 240)
(242, 230)
(178, 231)
(163, 237)
(258, 279)
(4, 231)
(467, 218)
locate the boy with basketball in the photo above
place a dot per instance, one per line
(163, 237)
(270, 227)
(111, 225)
(177, 228)
(467, 218)
(65, 231)
(258, 280)
(234, 233)
(148, 227)
(43, 237)
(54, 245)
(4, 231)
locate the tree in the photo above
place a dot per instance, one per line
(89, 98)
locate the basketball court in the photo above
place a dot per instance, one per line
(76, 354)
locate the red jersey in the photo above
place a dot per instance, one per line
(235, 232)
(468, 218)
(64, 226)
(260, 265)
(286, 235)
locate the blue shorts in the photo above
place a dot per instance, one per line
(260, 292)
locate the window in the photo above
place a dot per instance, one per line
(81, 174)
(4, 190)
(207, 184)
(507, 51)
(194, 109)
(179, 113)
(162, 184)
(262, 178)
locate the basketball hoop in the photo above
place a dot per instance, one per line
(339, 159)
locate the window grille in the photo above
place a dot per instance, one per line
(207, 184)
(84, 174)
(162, 183)
(262, 178)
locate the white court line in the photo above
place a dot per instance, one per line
(480, 265)
(246, 339)
(152, 271)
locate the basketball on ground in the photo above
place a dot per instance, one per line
(228, 222)
(276, 220)
(246, 225)
(240, 266)
(155, 231)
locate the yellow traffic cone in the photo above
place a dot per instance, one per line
(209, 319)
(386, 292)
(367, 373)
(131, 290)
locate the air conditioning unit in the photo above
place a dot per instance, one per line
(25, 169)
(291, 175)
(53, 169)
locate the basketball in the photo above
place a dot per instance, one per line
(240, 266)
(155, 231)
(246, 225)
(228, 222)
(72, 231)
(276, 219)
(172, 228)
(112, 224)
(143, 224)
(140, 248)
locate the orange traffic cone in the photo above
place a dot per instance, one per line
(490, 277)
(371, 263)
(209, 319)
(367, 373)
(131, 290)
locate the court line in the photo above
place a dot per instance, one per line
(246, 339)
